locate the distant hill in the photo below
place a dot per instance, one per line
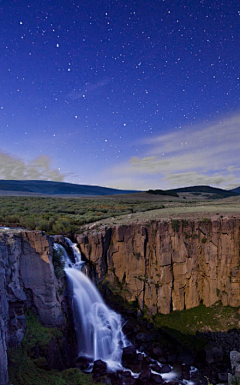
(57, 188)
(162, 192)
(214, 191)
(236, 190)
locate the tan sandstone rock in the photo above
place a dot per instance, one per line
(169, 265)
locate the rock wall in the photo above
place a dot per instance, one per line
(27, 280)
(168, 265)
(164, 265)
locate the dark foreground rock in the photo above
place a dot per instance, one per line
(99, 368)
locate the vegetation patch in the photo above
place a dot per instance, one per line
(184, 222)
(185, 324)
(162, 192)
(207, 220)
(175, 225)
(138, 256)
(235, 380)
(63, 216)
(27, 369)
(58, 263)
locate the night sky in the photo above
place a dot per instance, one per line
(125, 94)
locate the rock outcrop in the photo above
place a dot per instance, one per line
(168, 265)
(27, 280)
(235, 366)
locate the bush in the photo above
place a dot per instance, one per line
(58, 263)
(62, 216)
(235, 380)
(175, 225)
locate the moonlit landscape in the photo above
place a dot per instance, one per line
(120, 192)
(130, 95)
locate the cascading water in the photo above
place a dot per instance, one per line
(98, 328)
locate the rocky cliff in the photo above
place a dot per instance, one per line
(164, 264)
(27, 281)
(168, 264)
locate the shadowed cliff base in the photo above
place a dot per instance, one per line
(39, 358)
(202, 337)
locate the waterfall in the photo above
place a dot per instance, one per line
(98, 328)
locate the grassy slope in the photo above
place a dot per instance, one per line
(26, 370)
(184, 325)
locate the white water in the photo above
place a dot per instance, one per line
(98, 328)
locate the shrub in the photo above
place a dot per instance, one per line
(58, 263)
(235, 380)
(175, 225)
(206, 220)
(61, 216)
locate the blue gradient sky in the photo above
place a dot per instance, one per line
(127, 94)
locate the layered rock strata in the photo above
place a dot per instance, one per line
(168, 265)
(27, 280)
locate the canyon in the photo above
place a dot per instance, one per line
(160, 265)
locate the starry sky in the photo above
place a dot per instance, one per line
(126, 94)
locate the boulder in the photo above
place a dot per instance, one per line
(214, 355)
(145, 374)
(156, 379)
(235, 360)
(99, 368)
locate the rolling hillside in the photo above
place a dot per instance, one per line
(56, 188)
(213, 192)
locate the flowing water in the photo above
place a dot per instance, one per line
(98, 328)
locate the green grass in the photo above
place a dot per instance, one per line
(183, 325)
(62, 216)
(235, 381)
(26, 370)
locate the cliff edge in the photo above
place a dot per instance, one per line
(168, 264)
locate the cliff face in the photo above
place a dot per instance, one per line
(169, 265)
(164, 265)
(27, 280)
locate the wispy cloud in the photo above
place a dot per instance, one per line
(205, 154)
(39, 168)
(87, 88)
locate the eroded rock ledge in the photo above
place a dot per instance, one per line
(168, 264)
